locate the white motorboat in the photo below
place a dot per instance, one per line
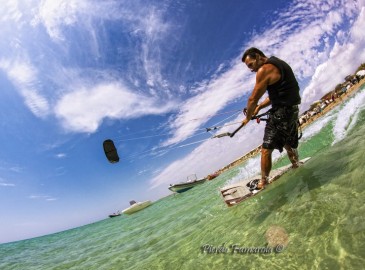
(182, 187)
(136, 206)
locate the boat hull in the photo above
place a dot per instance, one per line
(180, 188)
(114, 215)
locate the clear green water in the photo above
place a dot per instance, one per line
(321, 206)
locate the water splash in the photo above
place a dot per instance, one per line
(348, 116)
(252, 167)
(318, 125)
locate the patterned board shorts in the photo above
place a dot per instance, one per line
(282, 128)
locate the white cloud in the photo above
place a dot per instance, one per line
(2, 184)
(41, 86)
(345, 56)
(42, 197)
(24, 76)
(83, 110)
(10, 11)
(213, 96)
(56, 13)
(4, 166)
(154, 30)
(142, 21)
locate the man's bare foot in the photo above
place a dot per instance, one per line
(262, 183)
(296, 164)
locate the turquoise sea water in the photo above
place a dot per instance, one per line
(319, 209)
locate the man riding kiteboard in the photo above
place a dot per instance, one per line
(281, 131)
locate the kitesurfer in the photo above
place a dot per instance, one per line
(281, 131)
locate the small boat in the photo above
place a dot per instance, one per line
(115, 214)
(136, 206)
(182, 187)
(212, 176)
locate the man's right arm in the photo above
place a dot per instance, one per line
(262, 78)
(262, 105)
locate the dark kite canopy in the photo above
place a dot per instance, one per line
(110, 151)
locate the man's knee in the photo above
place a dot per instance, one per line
(291, 150)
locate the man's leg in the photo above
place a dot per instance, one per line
(266, 164)
(292, 155)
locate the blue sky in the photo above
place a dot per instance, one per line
(76, 72)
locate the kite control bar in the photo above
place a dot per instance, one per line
(234, 132)
(258, 119)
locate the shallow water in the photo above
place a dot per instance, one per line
(319, 207)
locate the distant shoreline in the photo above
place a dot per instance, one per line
(335, 103)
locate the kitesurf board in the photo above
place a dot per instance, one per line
(235, 193)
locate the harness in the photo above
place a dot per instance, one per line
(266, 116)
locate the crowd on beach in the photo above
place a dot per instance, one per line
(316, 110)
(332, 98)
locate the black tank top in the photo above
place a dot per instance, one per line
(284, 92)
